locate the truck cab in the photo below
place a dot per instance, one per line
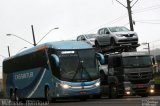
(130, 73)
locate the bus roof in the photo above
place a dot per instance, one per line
(56, 45)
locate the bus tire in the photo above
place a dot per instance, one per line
(16, 95)
(12, 95)
(47, 95)
(113, 93)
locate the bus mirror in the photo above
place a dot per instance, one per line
(55, 58)
(100, 58)
(153, 60)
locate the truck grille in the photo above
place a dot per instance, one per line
(138, 78)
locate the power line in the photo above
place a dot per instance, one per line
(125, 24)
(134, 3)
(135, 11)
(154, 41)
(129, 7)
(147, 22)
(147, 9)
(110, 22)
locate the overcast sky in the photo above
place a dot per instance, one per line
(73, 17)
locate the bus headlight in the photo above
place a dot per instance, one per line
(97, 83)
(65, 86)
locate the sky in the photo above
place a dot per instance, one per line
(72, 17)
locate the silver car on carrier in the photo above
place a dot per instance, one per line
(112, 36)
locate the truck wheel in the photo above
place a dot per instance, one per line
(47, 95)
(113, 91)
(103, 78)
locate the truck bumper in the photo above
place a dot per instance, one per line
(135, 89)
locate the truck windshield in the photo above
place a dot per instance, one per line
(137, 61)
(78, 65)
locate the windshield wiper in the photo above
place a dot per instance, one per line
(80, 69)
(84, 69)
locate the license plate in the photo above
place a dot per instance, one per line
(83, 93)
(140, 85)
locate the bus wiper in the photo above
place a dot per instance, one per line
(84, 69)
(77, 71)
(80, 69)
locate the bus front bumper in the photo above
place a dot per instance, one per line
(78, 92)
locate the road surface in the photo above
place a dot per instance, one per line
(104, 101)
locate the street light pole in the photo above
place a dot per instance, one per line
(9, 52)
(21, 49)
(19, 38)
(47, 34)
(34, 40)
(148, 47)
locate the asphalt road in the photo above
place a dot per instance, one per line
(104, 101)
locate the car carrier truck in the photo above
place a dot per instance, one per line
(127, 73)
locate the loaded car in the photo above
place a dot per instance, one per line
(112, 36)
(89, 38)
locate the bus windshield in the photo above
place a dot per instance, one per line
(137, 61)
(78, 65)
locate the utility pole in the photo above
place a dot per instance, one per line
(130, 15)
(129, 7)
(149, 51)
(34, 41)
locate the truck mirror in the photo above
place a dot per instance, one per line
(153, 60)
(100, 58)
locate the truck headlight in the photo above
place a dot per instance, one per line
(151, 91)
(97, 83)
(65, 86)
